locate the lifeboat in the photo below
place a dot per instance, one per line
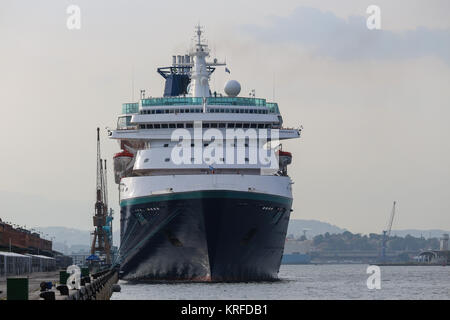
(122, 161)
(285, 157)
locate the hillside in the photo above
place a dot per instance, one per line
(314, 227)
(69, 240)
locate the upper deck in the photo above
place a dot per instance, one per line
(151, 116)
(164, 103)
(188, 99)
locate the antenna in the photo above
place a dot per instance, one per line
(273, 88)
(132, 83)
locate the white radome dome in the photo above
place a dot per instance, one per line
(232, 88)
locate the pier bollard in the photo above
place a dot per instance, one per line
(17, 289)
(48, 295)
(116, 288)
(63, 289)
(82, 294)
(46, 286)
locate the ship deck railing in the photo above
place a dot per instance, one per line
(189, 101)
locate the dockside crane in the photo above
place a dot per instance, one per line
(110, 213)
(387, 233)
(101, 244)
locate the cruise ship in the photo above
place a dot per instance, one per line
(203, 183)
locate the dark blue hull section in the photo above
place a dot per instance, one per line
(203, 236)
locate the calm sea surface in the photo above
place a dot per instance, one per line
(308, 282)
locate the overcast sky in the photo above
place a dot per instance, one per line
(375, 105)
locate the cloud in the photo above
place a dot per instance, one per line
(327, 35)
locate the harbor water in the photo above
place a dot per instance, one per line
(308, 282)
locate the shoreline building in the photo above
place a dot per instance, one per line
(441, 256)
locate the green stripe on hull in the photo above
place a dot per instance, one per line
(207, 194)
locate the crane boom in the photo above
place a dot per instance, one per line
(387, 233)
(391, 220)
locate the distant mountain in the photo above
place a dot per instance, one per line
(68, 240)
(314, 228)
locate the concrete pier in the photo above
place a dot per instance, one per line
(34, 280)
(100, 287)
